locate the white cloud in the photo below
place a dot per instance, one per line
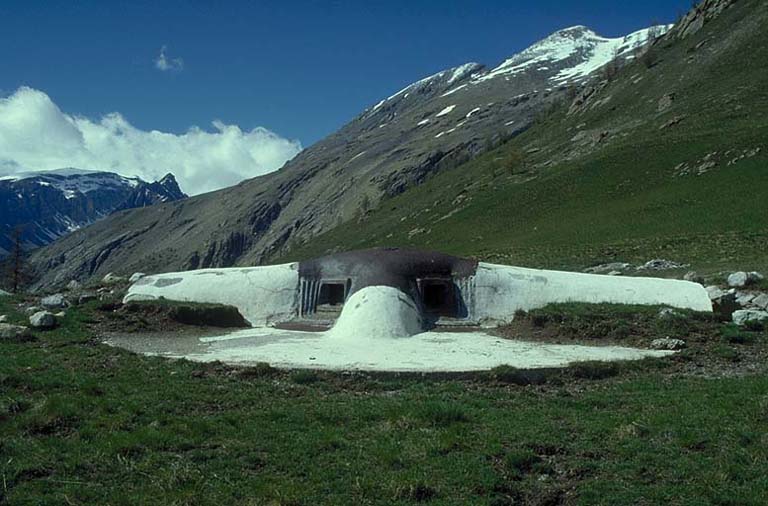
(164, 63)
(36, 135)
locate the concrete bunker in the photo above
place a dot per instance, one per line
(446, 291)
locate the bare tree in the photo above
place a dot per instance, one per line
(17, 262)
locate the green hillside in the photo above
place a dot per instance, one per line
(667, 158)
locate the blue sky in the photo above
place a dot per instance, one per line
(300, 69)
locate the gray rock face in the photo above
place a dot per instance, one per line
(73, 286)
(56, 301)
(136, 276)
(31, 310)
(13, 332)
(667, 343)
(742, 316)
(42, 320)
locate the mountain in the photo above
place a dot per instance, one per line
(665, 158)
(432, 126)
(48, 205)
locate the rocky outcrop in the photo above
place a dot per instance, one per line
(702, 13)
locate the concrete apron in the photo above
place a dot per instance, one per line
(380, 329)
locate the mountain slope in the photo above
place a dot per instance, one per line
(49, 205)
(430, 126)
(666, 159)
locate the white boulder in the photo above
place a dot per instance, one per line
(714, 292)
(8, 331)
(55, 301)
(760, 301)
(42, 320)
(742, 316)
(667, 343)
(737, 280)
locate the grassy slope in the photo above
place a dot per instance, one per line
(621, 201)
(82, 423)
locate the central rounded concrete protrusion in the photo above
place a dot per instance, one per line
(378, 312)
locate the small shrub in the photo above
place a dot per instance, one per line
(734, 335)
(595, 370)
(418, 492)
(305, 377)
(442, 414)
(260, 370)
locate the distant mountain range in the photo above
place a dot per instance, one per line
(47, 205)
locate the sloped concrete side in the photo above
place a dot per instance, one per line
(263, 295)
(501, 290)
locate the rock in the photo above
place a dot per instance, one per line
(42, 320)
(743, 316)
(31, 310)
(744, 298)
(608, 268)
(74, 286)
(738, 280)
(3, 293)
(668, 312)
(61, 314)
(659, 264)
(3, 319)
(667, 343)
(665, 102)
(726, 305)
(136, 276)
(714, 292)
(112, 279)
(13, 332)
(86, 297)
(55, 301)
(693, 277)
(760, 301)
(742, 279)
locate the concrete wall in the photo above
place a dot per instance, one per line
(263, 295)
(500, 290)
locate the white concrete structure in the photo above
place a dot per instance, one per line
(383, 310)
(264, 295)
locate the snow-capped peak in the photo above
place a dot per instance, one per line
(595, 51)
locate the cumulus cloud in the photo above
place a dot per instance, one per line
(36, 135)
(165, 63)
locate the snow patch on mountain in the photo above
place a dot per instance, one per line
(447, 110)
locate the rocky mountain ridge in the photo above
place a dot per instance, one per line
(45, 206)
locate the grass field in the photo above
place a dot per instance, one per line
(83, 423)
